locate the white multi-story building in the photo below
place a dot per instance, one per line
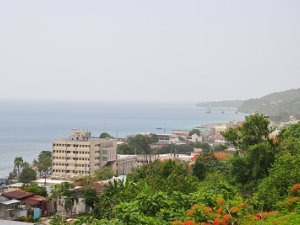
(81, 154)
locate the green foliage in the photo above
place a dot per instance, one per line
(104, 173)
(139, 144)
(257, 154)
(125, 149)
(28, 219)
(28, 174)
(35, 188)
(194, 131)
(255, 129)
(105, 135)
(248, 169)
(44, 163)
(206, 148)
(289, 140)
(284, 173)
(206, 164)
(279, 106)
(64, 191)
(91, 198)
(114, 193)
(150, 209)
(200, 169)
(216, 184)
(171, 175)
(220, 148)
(18, 163)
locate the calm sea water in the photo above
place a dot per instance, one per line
(27, 128)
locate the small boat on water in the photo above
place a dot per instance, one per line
(208, 110)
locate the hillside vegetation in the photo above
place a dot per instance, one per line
(278, 106)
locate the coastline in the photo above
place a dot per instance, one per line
(30, 129)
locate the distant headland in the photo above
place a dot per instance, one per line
(279, 106)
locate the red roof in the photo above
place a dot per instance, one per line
(34, 200)
(98, 186)
(18, 194)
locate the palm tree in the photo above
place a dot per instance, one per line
(18, 163)
(63, 191)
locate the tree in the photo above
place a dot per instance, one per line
(125, 149)
(28, 174)
(18, 163)
(44, 163)
(257, 151)
(105, 135)
(199, 169)
(63, 191)
(141, 143)
(70, 198)
(255, 129)
(90, 198)
(104, 173)
(195, 131)
(206, 148)
(289, 140)
(35, 188)
(220, 148)
(284, 174)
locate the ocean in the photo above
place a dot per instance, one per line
(29, 127)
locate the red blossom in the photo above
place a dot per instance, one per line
(295, 188)
(219, 201)
(242, 204)
(194, 207)
(189, 222)
(227, 217)
(190, 212)
(235, 209)
(264, 214)
(219, 210)
(217, 221)
(208, 209)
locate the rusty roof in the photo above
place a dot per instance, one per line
(34, 200)
(18, 194)
(98, 186)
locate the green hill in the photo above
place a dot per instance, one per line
(279, 106)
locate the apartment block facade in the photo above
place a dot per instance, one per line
(81, 154)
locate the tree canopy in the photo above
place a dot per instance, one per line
(28, 174)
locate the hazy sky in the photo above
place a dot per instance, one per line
(157, 50)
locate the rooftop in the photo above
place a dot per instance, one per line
(9, 202)
(49, 181)
(18, 194)
(87, 140)
(34, 200)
